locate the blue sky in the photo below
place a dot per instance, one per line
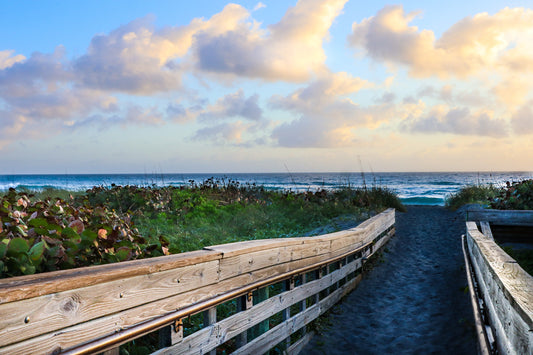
(315, 85)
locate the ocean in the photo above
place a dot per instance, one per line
(412, 188)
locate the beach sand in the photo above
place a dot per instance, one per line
(414, 301)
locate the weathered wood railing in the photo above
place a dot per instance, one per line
(98, 308)
(502, 292)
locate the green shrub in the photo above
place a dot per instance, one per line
(514, 196)
(471, 194)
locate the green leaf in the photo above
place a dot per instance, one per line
(123, 253)
(16, 246)
(70, 234)
(28, 269)
(89, 235)
(21, 231)
(3, 249)
(36, 253)
(39, 222)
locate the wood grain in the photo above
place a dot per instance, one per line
(504, 217)
(507, 291)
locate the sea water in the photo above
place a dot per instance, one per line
(412, 188)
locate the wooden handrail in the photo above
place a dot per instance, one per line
(108, 304)
(506, 290)
(155, 324)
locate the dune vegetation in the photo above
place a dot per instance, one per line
(57, 229)
(511, 196)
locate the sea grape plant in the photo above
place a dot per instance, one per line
(38, 236)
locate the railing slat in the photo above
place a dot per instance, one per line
(208, 338)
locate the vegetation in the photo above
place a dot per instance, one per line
(471, 194)
(512, 196)
(40, 233)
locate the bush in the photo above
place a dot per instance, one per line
(471, 194)
(514, 196)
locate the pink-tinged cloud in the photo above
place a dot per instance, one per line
(327, 116)
(474, 44)
(133, 59)
(290, 50)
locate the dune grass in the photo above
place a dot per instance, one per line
(479, 194)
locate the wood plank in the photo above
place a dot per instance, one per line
(483, 342)
(277, 334)
(505, 217)
(211, 337)
(23, 287)
(57, 311)
(485, 229)
(97, 328)
(246, 247)
(300, 344)
(507, 290)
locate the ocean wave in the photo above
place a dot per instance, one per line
(420, 200)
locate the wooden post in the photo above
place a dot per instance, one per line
(485, 229)
(288, 285)
(171, 334)
(210, 317)
(262, 295)
(242, 305)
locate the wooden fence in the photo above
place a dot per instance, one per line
(501, 291)
(272, 289)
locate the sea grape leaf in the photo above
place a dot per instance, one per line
(3, 249)
(36, 253)
(16, 246)
(123, 253)
(89, 235)
(28, 269)
(70, 233)
(38, 222)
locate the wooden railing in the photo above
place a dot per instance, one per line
(502, 292)
(276, 286)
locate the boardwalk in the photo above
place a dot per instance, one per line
(414, 302)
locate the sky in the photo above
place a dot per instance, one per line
(270, 86)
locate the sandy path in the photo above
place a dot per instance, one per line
(414, 302)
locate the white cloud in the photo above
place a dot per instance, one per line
(459, 121)
(233, 105)
(7, 59)
(259, 5)
(290, 50)
(522, 119)
(470, 46)
(327, 116)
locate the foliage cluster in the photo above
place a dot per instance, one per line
(512, 196)
(120, 223)
(478, 194)
(51, 234)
